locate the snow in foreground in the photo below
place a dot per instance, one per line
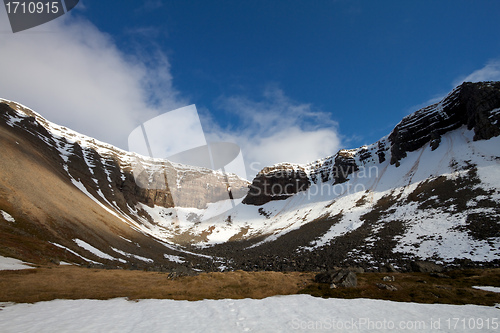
(293, 313)
(12, 264)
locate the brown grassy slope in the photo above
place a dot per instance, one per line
(36, 191)
(66, 282)
(32, 190)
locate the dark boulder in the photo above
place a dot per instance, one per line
(426, 267)
(389, 287)
(338, 278)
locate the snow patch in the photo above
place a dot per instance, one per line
(7, 217)
(64, 263)
(130, 255)
(7, 263)
(173, 258)
(488, 288)
(73, 252)
(92, 249)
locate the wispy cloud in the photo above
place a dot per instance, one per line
(490, 72)
(278, 129)
(76, 76)
(150, 5)
(153, 4)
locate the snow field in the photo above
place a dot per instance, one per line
(295, 313)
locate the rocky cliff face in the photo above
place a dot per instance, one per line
(276, 183)
(284, 180)
(476, 105)
(472, 104)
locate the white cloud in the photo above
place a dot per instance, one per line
(74, 75)
(278, 129)
(290, 145)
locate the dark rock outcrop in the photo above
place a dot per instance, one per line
(277, 183)
(389, 287)
(469, 104)
(284, 180)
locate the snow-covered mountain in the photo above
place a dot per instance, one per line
(428, 190)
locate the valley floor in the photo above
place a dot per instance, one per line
(74, 299)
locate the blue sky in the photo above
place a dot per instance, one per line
(361, 61)
(287, 80)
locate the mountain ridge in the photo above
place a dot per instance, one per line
(382, 203)
(468, 104)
